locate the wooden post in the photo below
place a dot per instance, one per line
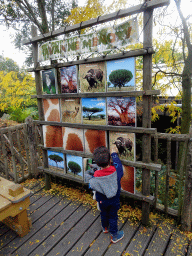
(4, 156)
(39, 101)
(166, 199)
(13, 157)
(187, 201)
(181, 175)
(146, 121)
(156, 172)
(32, 145)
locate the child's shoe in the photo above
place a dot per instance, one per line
(105, 230)
(116, 238)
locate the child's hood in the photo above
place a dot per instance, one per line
(106, 185)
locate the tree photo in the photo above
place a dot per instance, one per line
(120, 77)
(121, 74)
(55, 161)
(75, 166)
(68, 76)
(121, 111)
(94, 111)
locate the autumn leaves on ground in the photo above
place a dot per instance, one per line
(80, 194)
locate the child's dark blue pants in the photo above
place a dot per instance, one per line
(109, 209)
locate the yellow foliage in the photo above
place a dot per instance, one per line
(92, 9)
(15, 91)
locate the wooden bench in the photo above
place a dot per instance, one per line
(14, 201)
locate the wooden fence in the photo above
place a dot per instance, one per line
(173, 178)
(21, 153)
(19, 156)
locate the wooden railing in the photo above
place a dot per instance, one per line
(173, 177)
(19, 156)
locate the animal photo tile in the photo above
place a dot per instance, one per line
(71, 110)
(51, 108)
(128, 179)
(121, 74)
(56, 161)
(69, 79)
(49, 81)
(73, 139)
(94, 111)
(89, 164)
(75, 166)
(94, 139)
(121, 111)
(92, 77)
(52, 136)
(124, 144)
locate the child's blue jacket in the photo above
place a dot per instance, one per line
(107, 187)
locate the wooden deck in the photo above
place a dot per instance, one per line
(64, 227)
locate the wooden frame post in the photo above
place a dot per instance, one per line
(39, 101)
(32, 145)
(146, 121)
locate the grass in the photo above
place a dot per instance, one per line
(122, 89)
(94, 121)
(86, 88)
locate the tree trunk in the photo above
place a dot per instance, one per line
(41, 5)
(186, 103)
(187, 202)
(186, 97)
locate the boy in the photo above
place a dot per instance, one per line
(106, 183)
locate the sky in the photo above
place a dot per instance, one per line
(95, 103)
(8, 50)
(53, 163)
(127, 63)
(78, 160)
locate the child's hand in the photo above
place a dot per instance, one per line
(113, 148)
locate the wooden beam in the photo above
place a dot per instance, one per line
(176, 137)
(138, 164)
(101, 127)
(122, 55)
(137, 196)
(12, 128)
(99, 94)
(99, 20)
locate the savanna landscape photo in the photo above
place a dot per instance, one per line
(74, 166)
(56, 161)
(121, 74)
(92, 77)
(125, 144)
(71, 110)
(121, 111)
(94, 111)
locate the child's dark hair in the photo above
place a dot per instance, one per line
(102, 156)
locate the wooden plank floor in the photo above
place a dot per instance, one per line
(64, 227)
